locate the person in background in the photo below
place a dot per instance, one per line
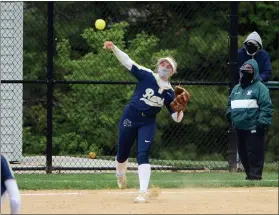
(250, 111)
(253, 49)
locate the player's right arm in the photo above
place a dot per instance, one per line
(138, 71)
(124, 59)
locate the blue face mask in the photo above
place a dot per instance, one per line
(164, 72)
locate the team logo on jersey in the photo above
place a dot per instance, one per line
(127, 123)
(249, 92)
(152, 100)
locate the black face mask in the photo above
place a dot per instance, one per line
(251, 48)
(246, 78)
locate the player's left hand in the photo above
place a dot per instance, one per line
(182, 96)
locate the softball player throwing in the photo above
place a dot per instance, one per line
(138, 121)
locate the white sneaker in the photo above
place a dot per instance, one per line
(122, 181)
(142, 197)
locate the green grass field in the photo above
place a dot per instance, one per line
(158, 179)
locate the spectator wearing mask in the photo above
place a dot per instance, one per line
(253, 49)
(250, 110)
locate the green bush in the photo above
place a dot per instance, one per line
(86, 116)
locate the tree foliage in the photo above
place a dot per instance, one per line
(86, 116)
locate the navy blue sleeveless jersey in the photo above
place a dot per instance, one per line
(148, 97)
(6, 173)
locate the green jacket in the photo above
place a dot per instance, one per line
(250, 108)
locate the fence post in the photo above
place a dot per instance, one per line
(233, 76)
(50, 52)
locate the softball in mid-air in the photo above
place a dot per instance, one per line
(92, 155)
(100, 24)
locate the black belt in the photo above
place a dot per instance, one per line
(141, 112)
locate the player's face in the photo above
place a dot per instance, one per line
(167, 65)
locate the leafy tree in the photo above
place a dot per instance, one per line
(86, 116)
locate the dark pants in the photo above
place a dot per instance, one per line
(251, 149)
(133, 127)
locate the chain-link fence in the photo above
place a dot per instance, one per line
(69, 97)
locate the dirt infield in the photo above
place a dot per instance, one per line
(169, 201)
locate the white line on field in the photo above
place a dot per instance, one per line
(196, 191)
(166, 181)
(49, 194)
(217, 180)
(163, 192)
